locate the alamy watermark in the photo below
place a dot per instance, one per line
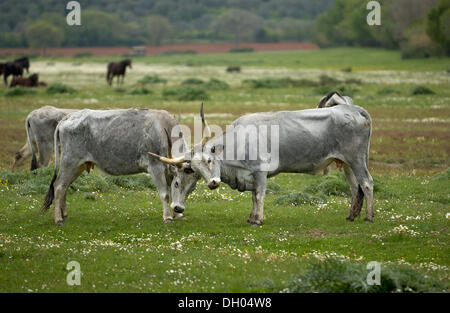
(374, 276)
(74, 16)
(374, 16)
(73, 278)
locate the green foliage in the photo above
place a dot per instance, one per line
(42, 35)
(216, 84)
(152, 79)
(59, 88)
(442, 176)
(19, 91)
(38, 182)
(422, 90)
(192, 81)
(333, 184)
(278, 82)
(140, 91)
(438, 25)
(186, 93)
(296, 198)
(338, 276)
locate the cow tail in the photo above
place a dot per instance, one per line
(51, 190)
(34, 164)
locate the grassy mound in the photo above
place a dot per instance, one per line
(19, 91)
(337, 276)
(186, 93)
(59, 88)
(152, 79)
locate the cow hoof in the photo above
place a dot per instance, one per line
(350, 219)
(59, 223)
(168, 220)
(368, 220)
(256, 223)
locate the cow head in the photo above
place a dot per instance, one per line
(203, 160)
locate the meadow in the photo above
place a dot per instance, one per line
(115, 229)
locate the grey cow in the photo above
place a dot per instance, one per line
(309, 140)
(40, 126)
(117, 141)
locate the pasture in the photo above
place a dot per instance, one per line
(115, 228)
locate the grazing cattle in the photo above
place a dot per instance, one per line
(309, 140)
(25, 62)
(331, 99)
(10, 68)
(117, 142)
(117, 69)
(40, 126)
(31, 81)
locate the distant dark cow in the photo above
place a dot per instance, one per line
(31, 81)
(10, 68)
(117, 69)
(25, 62)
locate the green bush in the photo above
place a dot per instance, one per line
(421, 90)
(233, 68)
(338, 276)
(59, 88)
(278, 82)
(140, 91)
(19, 91)
(445, 175)
(387, 91)
(333, 184)
(186, 93)
(216, 84)
(38, 181)
(192, 81)
(300, 197)
(152, 79)
(179, 52)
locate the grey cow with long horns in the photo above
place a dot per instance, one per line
(117, 142)
(306, 142)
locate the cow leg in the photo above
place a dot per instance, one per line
(158, 173)
(260, 194)
(357, 194)
(251, 219)
(45, 154)
(21, 156)
(365, 183)
(66, 176)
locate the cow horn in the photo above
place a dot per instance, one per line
(170, 161)
(205, 125)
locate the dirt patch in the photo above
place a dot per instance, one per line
(315, 233)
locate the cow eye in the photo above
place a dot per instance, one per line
(209, 161)
(213, 150)
(176, 184)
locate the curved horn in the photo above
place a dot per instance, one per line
(169, 160)
(205, 125)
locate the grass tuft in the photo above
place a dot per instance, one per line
(59, 88)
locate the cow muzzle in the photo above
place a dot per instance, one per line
(178, 209)
(214, 183)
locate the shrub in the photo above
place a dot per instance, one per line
(338, 276)
(152, 79)
(234, 68)
(140, 91)
(272, 187)
(278, 82)
(19, 91)
(386, 91)
(186, 93)
(421, 90)
(333, 184)
(192, 81)
(445, 175)
(216, 84)
(59, 88)
(300, 197)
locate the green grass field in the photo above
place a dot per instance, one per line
(115, 229)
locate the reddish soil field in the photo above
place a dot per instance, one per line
(198, 47)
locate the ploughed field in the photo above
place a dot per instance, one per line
(115, 228)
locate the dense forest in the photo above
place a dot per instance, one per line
(418, 27)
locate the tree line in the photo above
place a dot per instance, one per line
(419, 28)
